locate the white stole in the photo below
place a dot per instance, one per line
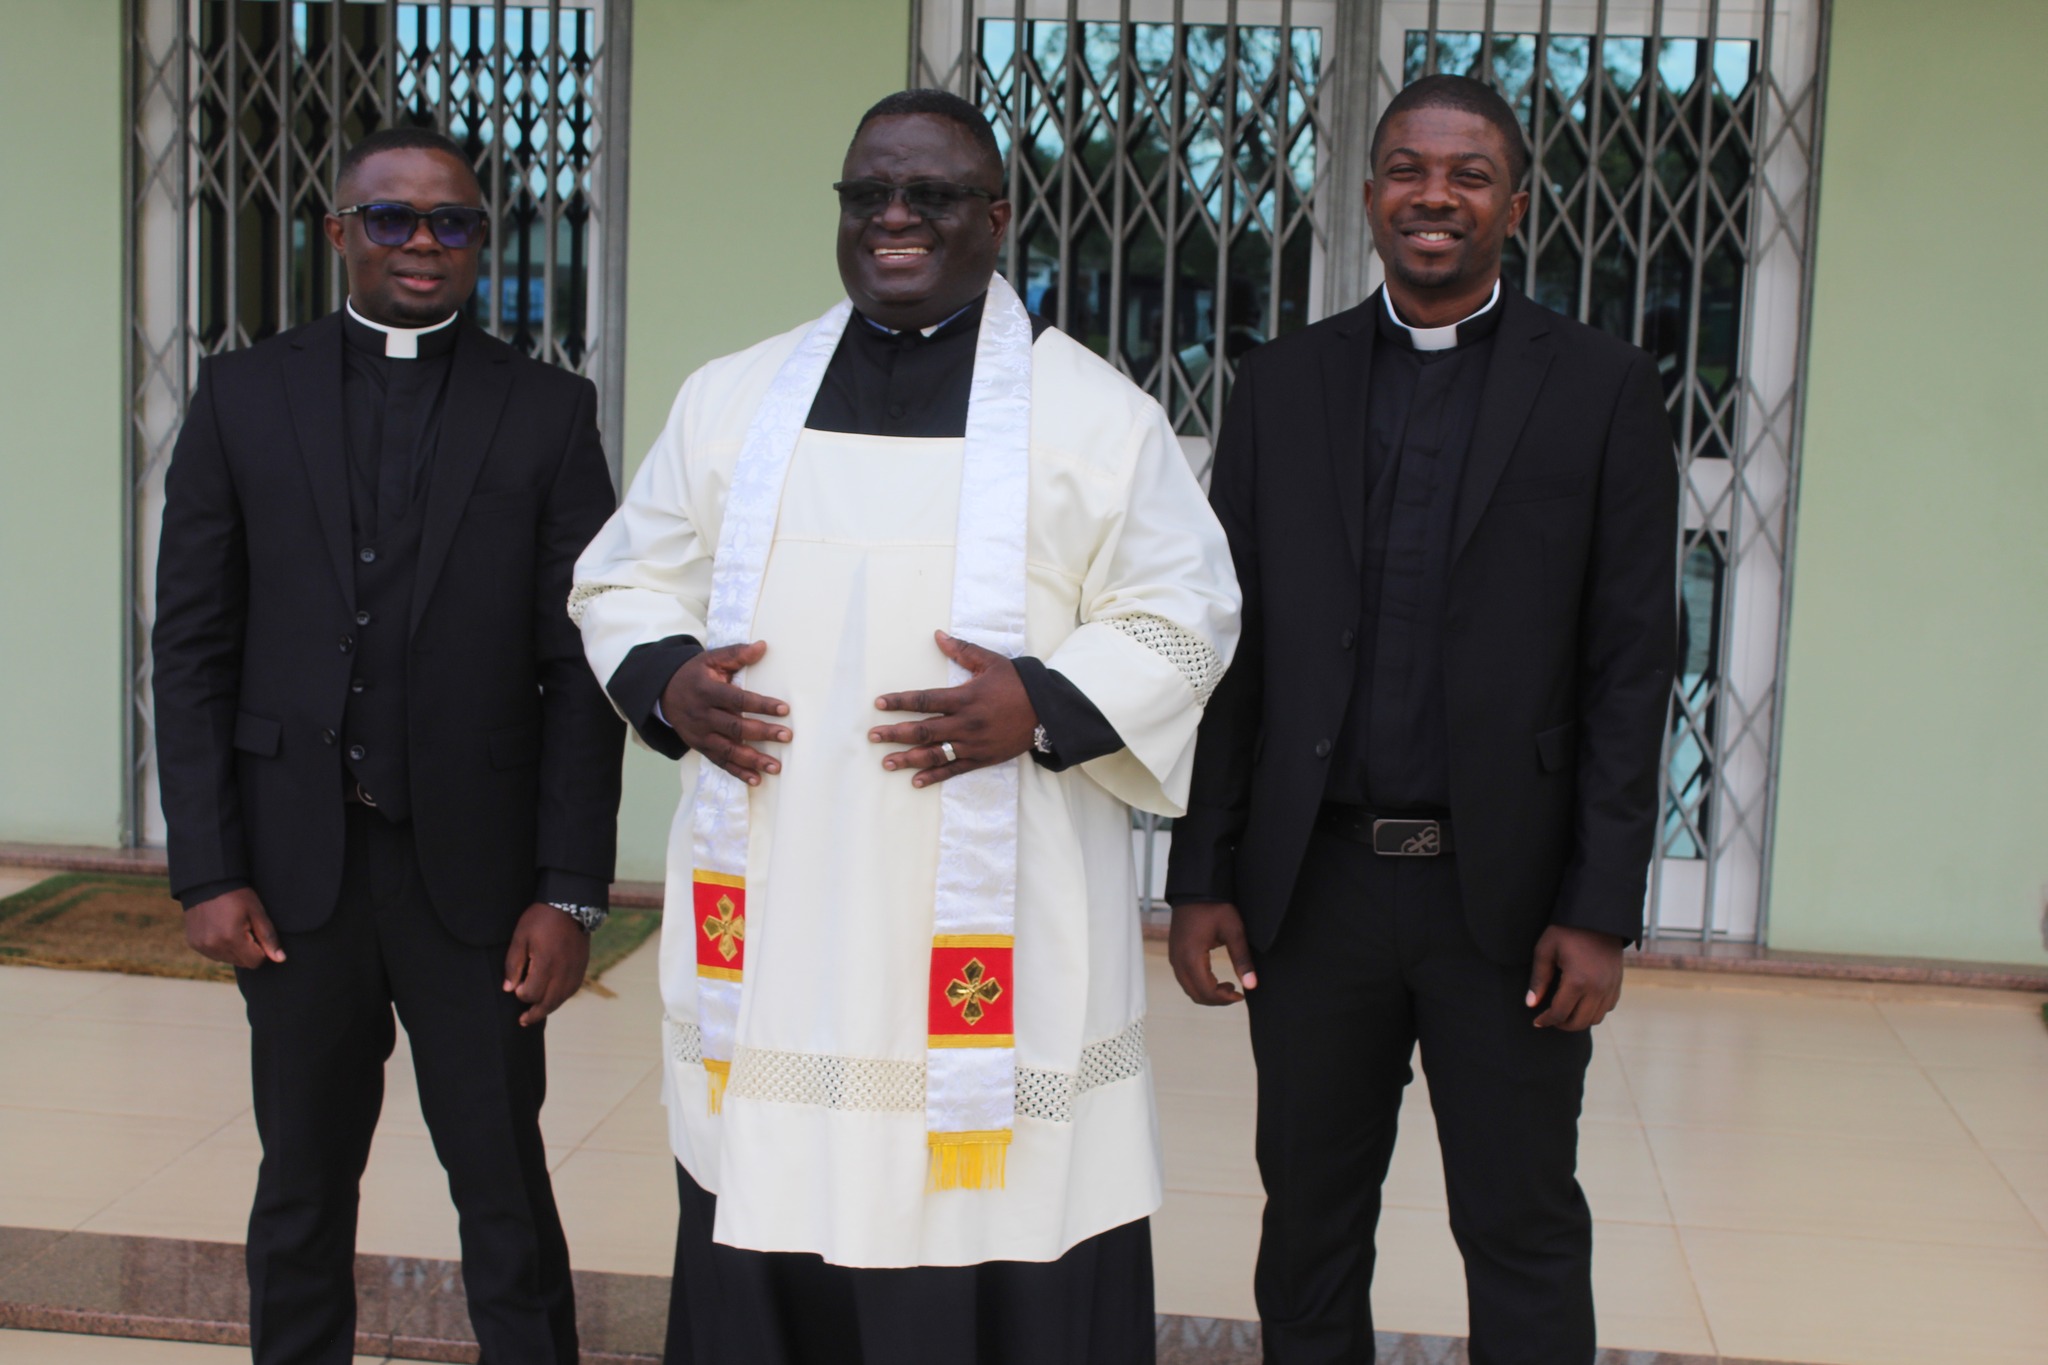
(970, 1075)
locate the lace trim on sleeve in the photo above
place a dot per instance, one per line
(1201, 665)
(581, 596)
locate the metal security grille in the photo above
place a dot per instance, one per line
(241, 110)
(1186, 173)
(1170, 177)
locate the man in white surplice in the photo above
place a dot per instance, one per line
(901, 964)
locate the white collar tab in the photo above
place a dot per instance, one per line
(400, 343)
(1437, 338)
(922, 331)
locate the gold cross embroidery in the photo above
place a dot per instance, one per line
(977, 989)
(727, 928)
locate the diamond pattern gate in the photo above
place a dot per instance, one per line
(239, 113)
(1185, 174)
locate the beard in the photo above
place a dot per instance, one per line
(1432, 275)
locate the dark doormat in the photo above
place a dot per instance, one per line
(109, 922)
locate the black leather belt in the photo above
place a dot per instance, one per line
(1390, 836)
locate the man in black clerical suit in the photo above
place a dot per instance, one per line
(389, 777)
(1424, 795)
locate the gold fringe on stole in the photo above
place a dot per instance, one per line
(969, 1161)
(716, 1074)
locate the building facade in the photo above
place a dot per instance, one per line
(1728, 183)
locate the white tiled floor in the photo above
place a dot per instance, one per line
(1840, 1174)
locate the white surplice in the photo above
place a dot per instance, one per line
(821, 1142)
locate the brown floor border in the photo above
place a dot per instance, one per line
(412, 1308)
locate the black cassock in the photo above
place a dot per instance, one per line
(1092, 1306)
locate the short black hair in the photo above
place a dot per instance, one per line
(1471, 96)
(403, 138)
(943, 104)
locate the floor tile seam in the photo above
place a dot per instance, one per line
(136, 1188)
(617, 1105)
(1628, 1087)
(1172, 1188)
(20, 1108)
(1887, 1239)
(65, 1016)
(2024, 1253)
(1965, 1143)
(113, 980)
(650, 1045)
(1983, 1148)
(1904, 1062)
(188, 1116)
(1182, 1191)
(1692, 1281)
(587, 1145)
(569, 1146)
(2029, 1068)
(239, 1026)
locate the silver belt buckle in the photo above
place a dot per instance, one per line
(1407, 838)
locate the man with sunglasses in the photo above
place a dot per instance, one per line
(390, 780)
(926, 598)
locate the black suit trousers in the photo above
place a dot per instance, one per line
(321, 1030)
(1373, 958)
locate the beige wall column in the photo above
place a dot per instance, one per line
(61, 534)
(1913, 815)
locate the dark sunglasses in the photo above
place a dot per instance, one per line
(928, 199)
(454, 226)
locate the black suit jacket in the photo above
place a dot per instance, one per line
(514, 752)
(1559, 640)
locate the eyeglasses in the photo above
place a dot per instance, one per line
(928, 199)
(455, 226)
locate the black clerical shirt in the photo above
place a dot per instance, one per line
(914, 385)
(391, 417)
(1393, 753)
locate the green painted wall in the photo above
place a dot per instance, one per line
(60, 454)
(741, 112)
(1914, 810)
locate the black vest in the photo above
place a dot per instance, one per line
(392, 410)
(373, 727)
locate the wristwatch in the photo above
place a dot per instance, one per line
(1040, 742)
(588, 917)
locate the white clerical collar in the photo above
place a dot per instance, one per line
(400, 343)
(922, 331)
(1437, 338)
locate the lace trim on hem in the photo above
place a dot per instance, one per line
(831, 1082)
